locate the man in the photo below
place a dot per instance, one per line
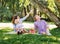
(41, 25)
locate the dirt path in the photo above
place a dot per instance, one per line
(26, 25)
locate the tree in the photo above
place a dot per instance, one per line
(47, 11)
(57, 2)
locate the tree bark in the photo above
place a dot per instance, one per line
(48, 12)
(35, 11)
(25, 10)
(57, 2)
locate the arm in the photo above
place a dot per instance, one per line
(26, 16)
(47, 29)
(35, 27)
(45, 24)
(14, 27)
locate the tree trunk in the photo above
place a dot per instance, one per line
(25, 10)
(28, 9)
(48, 12)
(17, 6)
(1, 18)
(35, 11)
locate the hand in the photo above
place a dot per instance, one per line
(31, 11)
(27, 14)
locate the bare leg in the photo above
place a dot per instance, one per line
(43, 33)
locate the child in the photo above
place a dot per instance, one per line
(41, 25)
(17, 23)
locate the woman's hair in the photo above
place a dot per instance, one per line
(13, 19)
(35, 18)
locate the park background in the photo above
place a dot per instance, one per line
(48, 10)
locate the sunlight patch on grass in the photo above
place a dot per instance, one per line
(5, 38)
(58, 39)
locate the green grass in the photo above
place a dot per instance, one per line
(4, 30)
(29, 38)
(56, 32)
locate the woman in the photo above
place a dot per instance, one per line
(41, 25)
(17, 23)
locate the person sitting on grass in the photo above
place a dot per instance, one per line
(41, 25)
(17, 23)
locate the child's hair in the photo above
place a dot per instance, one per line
(13, 18)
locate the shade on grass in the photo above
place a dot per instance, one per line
(56, 32)
(28, 38)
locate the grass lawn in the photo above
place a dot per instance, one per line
(29, 38)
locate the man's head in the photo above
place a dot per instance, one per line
(37, 17)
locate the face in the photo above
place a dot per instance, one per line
(37, 17)
(18, 17)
